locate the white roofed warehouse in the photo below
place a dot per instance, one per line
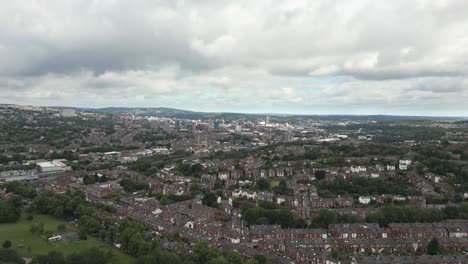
(52, 167)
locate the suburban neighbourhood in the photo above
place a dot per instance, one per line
(288, 189)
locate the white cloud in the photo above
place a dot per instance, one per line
(218, 47)
(295, 56)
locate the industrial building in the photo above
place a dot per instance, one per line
(18, 175)
(52, 167)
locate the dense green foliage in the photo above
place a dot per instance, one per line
(210, 200)
(6, 244)
(9, 256)
(365, 186)
(172, 198)
(150, 165)
(256, 215)
(133, 186)
(131, 235)
(93, 178)
(327, 217)
(201, 254)
(433, 248)
(10, 210)
(263, 184)
(283, 188)
(89, 256)
(224, 155)
(20, 189)
(411, 214)
(320, 174)
(195, 170)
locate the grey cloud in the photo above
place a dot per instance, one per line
(204, 35)
(250, 54)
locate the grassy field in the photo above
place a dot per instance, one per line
(274, 183)
(18, 233)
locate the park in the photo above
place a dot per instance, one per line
(28, 244)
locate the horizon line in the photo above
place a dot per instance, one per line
(229, 112)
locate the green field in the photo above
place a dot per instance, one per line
(18, 233)
(274, 183)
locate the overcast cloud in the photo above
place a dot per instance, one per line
(313, 57)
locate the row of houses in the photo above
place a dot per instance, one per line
(447, 229)
(438, 259)
(252, 168)
(191, 216)
(362, 246)
(265, 232)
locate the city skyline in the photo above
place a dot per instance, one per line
(266, 114)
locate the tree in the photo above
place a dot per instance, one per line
(89, 179)
(419, 168)
(89, 224)
(95, 256)
(433, 248)
(260, 259)
(56, 257)
(168, 257)
(59, 212)
(325, 218)
(71, 206)
(10, 256)
(159, 257)
(263, 184)
(75, 259)
(6, 244)
(233, 257)
(218, 260)
(132, 186)
(20, 189)
(283, 188)
(103, 178)
(210, 200)
(201, 251)
(10, 210)
(320, 174)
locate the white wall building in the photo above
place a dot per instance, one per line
(364, 199)
(55, 166)
(357, 169)
(405, 162)
(18, 175)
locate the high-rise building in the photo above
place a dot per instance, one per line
(267, 120)
(290, 135)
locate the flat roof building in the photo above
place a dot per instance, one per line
(55, 166)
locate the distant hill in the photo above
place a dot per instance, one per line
(178, 113)
(140, 111)
(380, 118)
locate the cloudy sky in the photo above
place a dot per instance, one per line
(312, 57)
